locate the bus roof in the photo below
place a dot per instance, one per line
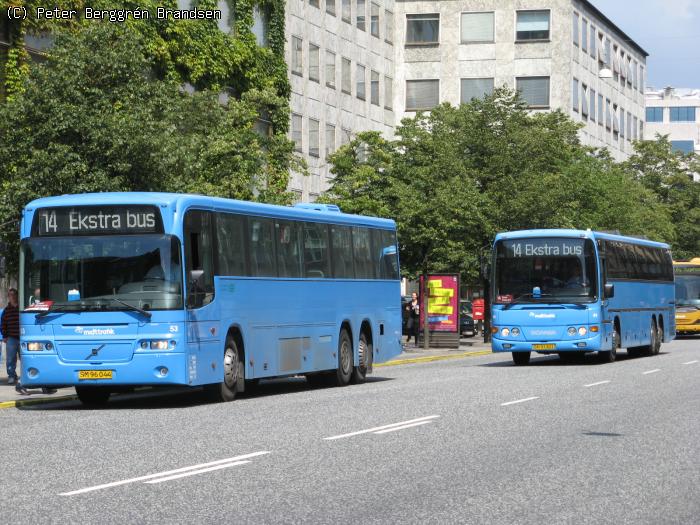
(183, 201)
(583, 234)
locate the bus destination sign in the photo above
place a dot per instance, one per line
(96, 220)
(543, 248)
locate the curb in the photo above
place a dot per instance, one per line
(40, 401)
(430, 358)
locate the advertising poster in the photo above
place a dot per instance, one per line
(443, 302)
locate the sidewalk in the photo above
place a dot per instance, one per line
(468, 347)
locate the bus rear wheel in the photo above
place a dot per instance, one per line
(92, 396)
(345, 361)
(365, 349)
(521, 358)
(233, 375)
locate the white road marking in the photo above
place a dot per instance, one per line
(403, 427)
(651, 371)
(227, 461)
(200, 471)
(691, 362)
(519, 401)
(369, 430)
(596, 384)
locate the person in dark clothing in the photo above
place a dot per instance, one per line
(9, 326)
(413, 322)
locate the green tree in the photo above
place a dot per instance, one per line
(455, 176)
(94, 118)
(669, 175)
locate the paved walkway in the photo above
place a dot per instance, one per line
(468, 347)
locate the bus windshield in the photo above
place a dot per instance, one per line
(109, 272)
(545, 269)
(688, 290)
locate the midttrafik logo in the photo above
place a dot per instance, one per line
(94, 331)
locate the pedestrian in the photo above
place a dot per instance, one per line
(9, 326)
(413, 322)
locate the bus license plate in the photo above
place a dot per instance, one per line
(94, 374)
(544, 347)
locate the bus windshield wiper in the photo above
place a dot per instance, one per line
(53, 308)
(132, 307)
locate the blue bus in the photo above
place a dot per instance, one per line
(126, 289)
(570, 292)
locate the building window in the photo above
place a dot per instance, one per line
(683, 114)
(345, 136)
(635, 127)
(641, 79)
(683, 146)
(361, 14)
(374, 88)
(472, 88)
(635, 75)
(584, 35)
(330, 69)
(608, 116)
(347, 16)
(423, 29)
(534, 91)
(296, 132)
(313, 137)
(360, 82)
(629, 126)
(330, 139)
(575, 28)
(477, 27)
(622, 122)
(261, 24)
(374, 20)
(532, 25)
(584, 102)
(314, 3)
(330, 7)
(592, 42)
(388, 93)
(297, 52)
(591, 109)
(314, 52)
(601, 110)
(607, 57)
(574, 95)
(422, 94)
(655, 114)
(345, 76)
(389, 26)
(615, 123)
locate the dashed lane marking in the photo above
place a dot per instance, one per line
(691, 362)
(519, 401)
(596, 384)
(651, 371)
(395, 426)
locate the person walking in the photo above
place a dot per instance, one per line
(413, 318)
(9, 326)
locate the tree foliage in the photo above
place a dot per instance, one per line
(454, 177)
(94, 118)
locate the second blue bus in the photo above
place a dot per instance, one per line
(570, 292)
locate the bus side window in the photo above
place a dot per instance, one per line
(199, 255)
(262, 247)
(288, 248)
(316, 254)
(341, 241)
(362, 252)
(230, 237)
(387, 251)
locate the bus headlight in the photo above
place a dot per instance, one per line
(582, 331)
(38, 346)
(159, 345)
(505, 332)
(515, 332)
(571, 331)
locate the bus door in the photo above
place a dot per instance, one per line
(605, 302)
(203, 331)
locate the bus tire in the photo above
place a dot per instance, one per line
(655, 344)
(233, 375)
(365, 349)
(609, 356)
(93, 396)
(521, 358)
(345, 359)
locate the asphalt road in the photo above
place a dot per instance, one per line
(472, 440)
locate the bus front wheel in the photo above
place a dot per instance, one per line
(233, 375)
(521, 358)
(609, 356)
(345, 360)
(92, 396)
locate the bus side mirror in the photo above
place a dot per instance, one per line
(196, 278)
(609, 290)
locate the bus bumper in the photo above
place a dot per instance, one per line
(586, 344)
(144, 369)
